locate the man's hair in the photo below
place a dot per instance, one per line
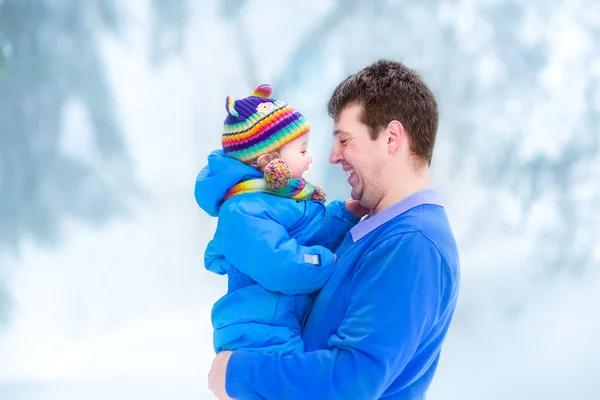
(388, 91)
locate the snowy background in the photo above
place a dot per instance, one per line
(108, 110)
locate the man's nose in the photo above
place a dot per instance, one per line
(335, 155)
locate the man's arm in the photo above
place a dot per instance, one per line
(261, 248)
(393, 302)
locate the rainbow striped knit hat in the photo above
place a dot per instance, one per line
(258, 125)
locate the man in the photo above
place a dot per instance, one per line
(376, 328)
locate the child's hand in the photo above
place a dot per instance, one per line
(356, 209)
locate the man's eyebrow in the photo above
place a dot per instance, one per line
(340, 132)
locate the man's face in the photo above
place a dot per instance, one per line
(363, 158)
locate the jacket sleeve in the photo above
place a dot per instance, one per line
(327, 225)
(260, 247)
(214, 260)
(374, 342)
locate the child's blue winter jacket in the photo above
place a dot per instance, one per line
(276, 253)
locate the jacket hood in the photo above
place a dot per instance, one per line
(214, 181)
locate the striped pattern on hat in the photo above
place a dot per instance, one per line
(259, 125)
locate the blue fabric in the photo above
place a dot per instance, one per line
(376, 328)
(267, 246)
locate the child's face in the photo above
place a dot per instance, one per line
(296, 155)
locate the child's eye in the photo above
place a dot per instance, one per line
(303, 151)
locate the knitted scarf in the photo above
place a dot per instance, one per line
(297, 189)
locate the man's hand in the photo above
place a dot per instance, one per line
(216, 376)
(356, 209)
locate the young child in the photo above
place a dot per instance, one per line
(274, 236)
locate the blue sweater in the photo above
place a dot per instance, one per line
(275, 251)
(376, 328)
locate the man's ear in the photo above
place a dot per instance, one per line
(396, 134)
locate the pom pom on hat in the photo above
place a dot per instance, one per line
(230, 106)
(277, 174)
(263, 91)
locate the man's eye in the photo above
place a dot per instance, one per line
(344, 141)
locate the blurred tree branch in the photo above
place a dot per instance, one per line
(55, 59)
(50, 57)
(312, 42)
(169, 24)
